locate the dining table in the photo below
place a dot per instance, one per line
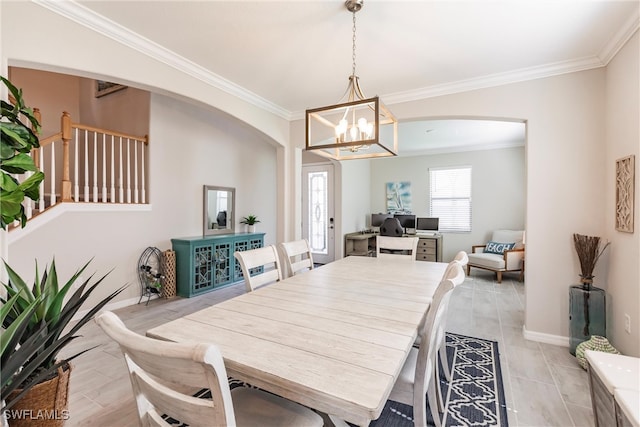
(333, 338)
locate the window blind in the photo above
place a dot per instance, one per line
(450, 197)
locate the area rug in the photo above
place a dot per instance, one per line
(475, 397)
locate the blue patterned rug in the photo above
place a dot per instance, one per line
(475, 397)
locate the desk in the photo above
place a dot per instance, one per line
(364, 244)
(334, 338)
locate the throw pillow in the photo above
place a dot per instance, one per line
(498, 248)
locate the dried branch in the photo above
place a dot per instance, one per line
(589, 251)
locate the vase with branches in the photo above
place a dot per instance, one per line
(587, 303)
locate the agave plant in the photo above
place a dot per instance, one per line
(39, 321)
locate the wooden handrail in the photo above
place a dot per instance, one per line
(50, 139)
(145, 138)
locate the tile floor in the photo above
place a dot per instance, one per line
(544, 385)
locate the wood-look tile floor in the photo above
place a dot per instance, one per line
(544, 385)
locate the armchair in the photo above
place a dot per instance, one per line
(505, 252)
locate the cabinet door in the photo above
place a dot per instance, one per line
(224, 262)
(203, 261)
(246, 244)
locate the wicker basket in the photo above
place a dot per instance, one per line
(169, 273)
(44, 405)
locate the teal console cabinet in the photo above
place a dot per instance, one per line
(207, 263)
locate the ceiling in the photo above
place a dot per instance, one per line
(288, 56)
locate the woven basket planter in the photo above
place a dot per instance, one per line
(44, 405)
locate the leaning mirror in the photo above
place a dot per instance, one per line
(219, 209)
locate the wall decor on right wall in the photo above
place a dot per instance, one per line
(625, 189)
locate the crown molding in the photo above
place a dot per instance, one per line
(96, 22)
(491, 80)
(623, 35)
(108, 28)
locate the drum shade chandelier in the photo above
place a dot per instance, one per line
(354, 128)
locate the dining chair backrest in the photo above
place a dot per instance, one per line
(394, 247)
(259, 266)
(462, 258)
(425, 363)
(157, 370)
(297, 256)
(458, 273)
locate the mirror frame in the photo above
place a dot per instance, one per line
(207, 193)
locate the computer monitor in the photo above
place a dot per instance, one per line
(429, 225)
(377, 219)
(408, 222)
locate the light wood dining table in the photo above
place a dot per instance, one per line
(334, 338)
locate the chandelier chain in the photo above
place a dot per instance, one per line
(353, 53)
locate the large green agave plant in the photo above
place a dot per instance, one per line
(37, 326)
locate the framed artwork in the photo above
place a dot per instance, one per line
(399, 197)
(105, 88)
(625, 189)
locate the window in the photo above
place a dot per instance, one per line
(450, 197)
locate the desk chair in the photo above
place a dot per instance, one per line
(416, 381)
(391, 227)
(250, 262)
(396, 247)
(157, 369)
(297, 256)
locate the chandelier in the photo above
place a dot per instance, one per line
(357, 127)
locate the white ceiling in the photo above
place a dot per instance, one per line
(288, 56)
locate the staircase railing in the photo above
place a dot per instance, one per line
(95, 165)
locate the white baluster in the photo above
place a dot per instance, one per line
(104, 168)
(76, 187)
(52, 173)
(28, 203)
(135, 171)
(144, 188)
(86, 166)
(41, 204)
(128, 171)
(113, 176)
(95, 167)
(121, 177)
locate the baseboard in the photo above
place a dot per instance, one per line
(545, 338)
(114, 306)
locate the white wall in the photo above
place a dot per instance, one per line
(498, 190)
(190, 147)
(356, 200)
(623, 138)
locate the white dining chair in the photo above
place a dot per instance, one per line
(160, 371)
(460, 259)
(297, 256)
(259, 266)
(396, 247)
(416, 382)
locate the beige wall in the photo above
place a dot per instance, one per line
(622, 139)
(52, 93)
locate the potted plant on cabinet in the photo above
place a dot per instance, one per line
(250, 221)
(18, 140)
(41, 323)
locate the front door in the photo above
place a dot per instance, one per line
(318, 224)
